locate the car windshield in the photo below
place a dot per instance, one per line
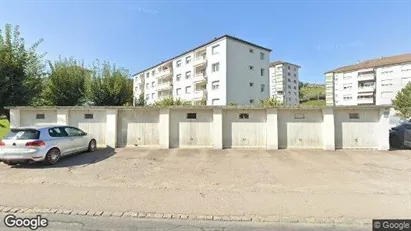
(22, 134)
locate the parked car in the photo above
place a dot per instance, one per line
(46, 144)
(400, 136)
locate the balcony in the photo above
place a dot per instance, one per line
(164, 94)
(200, 60)
(365, 99)
(199, 77)
(366, 89)
(366, 76)
(164, 86)
(198, 94)
(165, 73)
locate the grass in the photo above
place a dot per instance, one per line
(313, 90)
(4, 127)
(314, 103)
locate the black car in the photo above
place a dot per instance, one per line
(397, 135)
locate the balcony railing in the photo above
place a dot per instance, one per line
(164, 86)
(369, 75)
(200, 60)
(366, 89)
(199, 76)
(368, 100)
(164, 73)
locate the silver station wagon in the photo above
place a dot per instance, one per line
(46, 144)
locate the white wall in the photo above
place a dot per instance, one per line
(300, 128)
(138, 128)
(221, 75)
(186, 133)
(398, 76)
(272, 128)
(239, 75)
(29, 117)
(244, 133)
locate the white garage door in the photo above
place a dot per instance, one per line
(93, 122)
(138, 128)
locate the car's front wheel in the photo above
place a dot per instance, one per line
(92, 145)
(52, 156)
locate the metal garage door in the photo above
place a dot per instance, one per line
(93, 122)
(138, 127)
(356, 129)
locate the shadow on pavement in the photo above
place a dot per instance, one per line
(84, 158)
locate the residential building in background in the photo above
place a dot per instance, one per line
(284, 82)
(372, 82)
(224, 70)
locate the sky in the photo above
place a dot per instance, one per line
(316, 35)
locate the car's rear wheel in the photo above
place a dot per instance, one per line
(52, 156)
(92, 145)
(10, 163)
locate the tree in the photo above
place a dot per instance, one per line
(21, 69)
(141, 101)
(402, 101)
(172, 102)
(66, 84)
(270, 102)
(110, 86)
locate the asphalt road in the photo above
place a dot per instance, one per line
(70, 222)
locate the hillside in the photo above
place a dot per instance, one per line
(312, 94)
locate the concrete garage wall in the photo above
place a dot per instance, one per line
(95, 125)
(29, 117)
(185, 133)
(221, 127)
(356, 132)
(244, 128)
(138, 128)
(300, 128)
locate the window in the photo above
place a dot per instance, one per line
(279, 68)
(57, 132)
(215, 49)
(262, 71)
(346, 77)
(147, 85)
(23, 134)
(215, 85)
(40, 116)
(178, 63)
(347, 86)
(178, 91)
(289, 68)
(191, 116)
(295, 75)
(289, 92)
(251, 84)
(289, 99)
(147, 97)
(152, 95)
(405, 80)
(74, 131)
(215, 101)
(386, 82)
(148, 74)
(289, 80)
(295, 88)
(295, 69)
(215, 67)
(288, 73)
(251, 50)
(88, 116)
(406, 67)
(188, 74)
(153, 72)
(295, 81)
(347, 97)
(262, 87)
(251, 101)
(188, 89)
(280, 92)
(152, 84)
(178, 77)
(251, 67)
(188, 59)
(243, 116)
(299, 116)
(289, 87)
(262, 55)
(354, 116)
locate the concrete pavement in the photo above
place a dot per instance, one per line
(65, 222)
(312, 186)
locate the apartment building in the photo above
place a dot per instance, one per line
(224, 70)
(284, 82)
(371, 82)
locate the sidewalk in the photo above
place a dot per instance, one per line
(342, 186)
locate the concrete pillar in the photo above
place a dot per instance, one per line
(111, 128)
(384, 130)
(164, 128)
(328, 129)
(272, 128)
(14, 118)
(217, 128)
(63, 117)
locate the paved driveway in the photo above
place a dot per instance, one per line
(348, 185)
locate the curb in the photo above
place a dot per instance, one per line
(178, 216)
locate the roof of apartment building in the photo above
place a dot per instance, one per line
(275, 63)
(205, 44)
(379, 62)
